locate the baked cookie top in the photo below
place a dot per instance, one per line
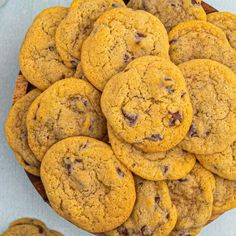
(172, 164)
(16, 133)
(77, 26)
(28, 227)
(221, 163)
(224, 196)
(118, 37)
(87, 185)
(227, 22)
(148, 104)
(153, 213)
(39, 60)
(212, 88)
(193, 197)
(70, 107)
(170, 12)
(200, 40)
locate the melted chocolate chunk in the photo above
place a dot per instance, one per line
(165, 169)
(155, 137)
(167, 215)
(183, 180)
(120, 172)
(144, 230)
(127, 58)
(74, 63)
(173, 41)
(62, 77)
(78, 161)
(192, 131)
(68, 166)
(131, 118)
(168, 79)
(123, 231)
(52, 48)
(176, 116)
(40, 229)
(183, 94)
(170, 89)
(194, 2)
(157, 199)
(139, 37)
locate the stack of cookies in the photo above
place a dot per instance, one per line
(132, 130)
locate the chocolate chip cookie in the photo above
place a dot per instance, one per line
(16, 133)
(227, 22)
(212, 88)
(148, 104)
(153, 213)
(193, 197)
(171, 12)
(39, 60)
(118, 37)
(224, 196)
(172, 164)
(29, 227)
(87, 185)
(78, 24)
(222, 163)
(70, 107)
(200, 40)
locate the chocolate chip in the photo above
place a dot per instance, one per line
(194, 2)
(157, 199)
(127, 57)
(173, 41)
(115, 4)
(173, 5)
(165, 169)
(120, 172)
(78, 161)
(123, 231)
(131, 118)
(144, 230)
(62, 77)
(68, 166)
(139, 37)
(192, 131)
(176, 118)
(52, 48)
(183, 180)
(84, 101)
(40, 229)
(170, 89)
(74, 63)
(208, 132)
(183, 94)
(167, 215)
(155, 137)
(168, 79)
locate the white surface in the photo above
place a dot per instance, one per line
(17, 196)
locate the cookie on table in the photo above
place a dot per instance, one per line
(200, 40)
(173, 164)
(227, 22)
(148, 104)
(186, 232)
(70, 107)
(153, 213)
(170, 12)
(17, 134)
(29, 227)
(224, 196)
(193, 197)
(77, 26)
(212, 88)
(87, 185)
(39, 60)
(222, 163)
(118, 37)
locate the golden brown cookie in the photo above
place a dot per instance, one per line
(17, 134)
(77, 26)
(153, 213)
(148, 104)
(212, 88)
(200, 40)
(118, 37)
(170, 12)
(70, 107)
(172, 164)
(87, 185)
(39, 60)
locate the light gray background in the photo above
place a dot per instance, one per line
(17, 196)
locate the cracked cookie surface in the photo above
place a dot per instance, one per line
(87, 185)
(148, 104)
(173, 164)
(70, 107)
(224, 196)
(227, 22)
(77, 26)
(39, 60)
(153, 213)
(222, 163)
(212, 88)
(171, 12)
(29, 227)
(193, 197)
(118, 37)
(200, 40)
(16, 133)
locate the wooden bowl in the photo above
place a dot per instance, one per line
(23, 87)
